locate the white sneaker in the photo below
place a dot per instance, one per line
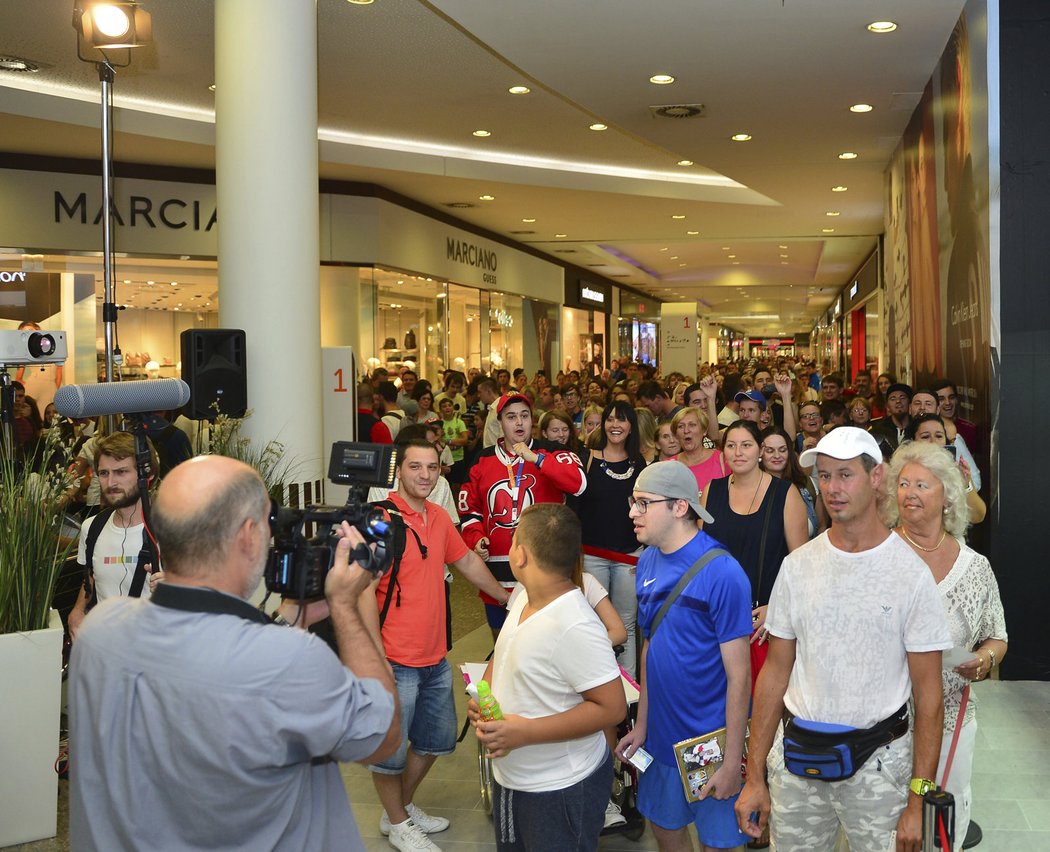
(613, 817)
(408, 838)
(424, 822)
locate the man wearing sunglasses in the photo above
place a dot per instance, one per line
(696, 670)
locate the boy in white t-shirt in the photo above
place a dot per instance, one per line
(558, 685)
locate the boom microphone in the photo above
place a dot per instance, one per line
(135, 397)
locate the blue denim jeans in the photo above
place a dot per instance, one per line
(568, 819)
(428, 714)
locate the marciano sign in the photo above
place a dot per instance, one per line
(139, 211)
(462, 251)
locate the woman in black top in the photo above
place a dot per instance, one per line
(759, 518)
(609, 545)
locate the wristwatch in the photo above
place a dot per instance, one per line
(921, 786)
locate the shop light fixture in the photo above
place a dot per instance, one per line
(725, 248)
(487, 197)
(519, 90)
(360, 2)
(839, 188)
(848, 155)
(685, 162)
(211, 88)
(861, 108)
(828, 230)
(693, 233)
(665, 248)
(782, 247)
(127, 280)
(833, 213)
(783, 255)
(661, 79)
(741, 137)
(880, 27)
(674, 257)
(560, 236)
(598, 126)
(482, 133)
(678, 216)
(730, 256)
(530, 220)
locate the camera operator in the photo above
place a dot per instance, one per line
(197, 724)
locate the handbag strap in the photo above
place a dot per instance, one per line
(955, 737)
(771, 499)
(684, 581)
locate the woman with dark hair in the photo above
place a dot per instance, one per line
(780, 460)
(609, 544)
(878, 399)
(424, 398)
(759, 519)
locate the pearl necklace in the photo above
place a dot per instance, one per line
(612, 474)
(904, 533)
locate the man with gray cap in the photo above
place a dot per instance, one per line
(696, 668)
(855, 632)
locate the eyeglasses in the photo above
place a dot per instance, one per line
(809, 415)
(642, 504)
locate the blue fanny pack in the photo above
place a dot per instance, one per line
(827, 752)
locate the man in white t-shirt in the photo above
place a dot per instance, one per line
(854, 631)
(556, 679)
(115, 534)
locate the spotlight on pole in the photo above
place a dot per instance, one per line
(112, 24)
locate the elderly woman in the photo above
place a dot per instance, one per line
(706, 463)
(926, 506)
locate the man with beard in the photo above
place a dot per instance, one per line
(195, 722)
(110, 541)
(506, 479)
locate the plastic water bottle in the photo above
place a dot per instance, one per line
(487, 703)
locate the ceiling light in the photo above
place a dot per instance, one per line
(725, 248)
(519, 90)
(560, 236)
(482, 133)
(16, 63)
(674, 257)
(664, 248)
(661, 79)
(741, 137)
(833, 213)
(882, 26)
(678, 216)
(847, 155)
(360, 2)
(693, 233)
(685, 162)
(783, 247)
(784, 263)
(736, 263)
(861, 108)
(730, 256)
(783, 255)
(127, 280)
(487, 197)
(681, 264)
(174, 283)
(528, 220)
(828, 230)
(598, 126)
(839, 188)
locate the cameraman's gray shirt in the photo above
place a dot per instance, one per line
(203, 730)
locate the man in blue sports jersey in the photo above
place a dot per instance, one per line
(696, 668)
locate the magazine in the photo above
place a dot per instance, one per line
(699, 758)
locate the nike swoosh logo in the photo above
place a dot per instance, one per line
(647, 582)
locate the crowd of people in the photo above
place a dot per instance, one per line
(809, 532)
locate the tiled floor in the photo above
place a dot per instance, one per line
(1011, 777)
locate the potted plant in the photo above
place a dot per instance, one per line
(32, 550)
(273, 464)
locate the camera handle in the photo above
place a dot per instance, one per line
(148, 555)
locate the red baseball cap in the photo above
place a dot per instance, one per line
(510, 398)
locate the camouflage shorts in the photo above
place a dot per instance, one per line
(806, 814)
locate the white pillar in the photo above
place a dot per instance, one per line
(268, 228)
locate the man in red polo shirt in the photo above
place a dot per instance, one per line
(412, 615)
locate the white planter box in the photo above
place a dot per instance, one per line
(30, 707)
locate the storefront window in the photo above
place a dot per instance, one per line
(506, 322)
(410, 323)
(465, 327)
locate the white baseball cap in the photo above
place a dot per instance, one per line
(843, 442)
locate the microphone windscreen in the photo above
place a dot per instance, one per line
(132, 397)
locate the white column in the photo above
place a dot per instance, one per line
(268, 228)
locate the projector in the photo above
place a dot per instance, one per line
(32, 347)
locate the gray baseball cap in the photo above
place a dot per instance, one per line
(673, 479)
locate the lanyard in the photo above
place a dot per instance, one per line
(514, 483)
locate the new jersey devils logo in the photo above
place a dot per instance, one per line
(501, 501)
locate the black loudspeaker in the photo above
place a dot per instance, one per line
(213, 365)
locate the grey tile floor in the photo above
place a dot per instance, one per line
(1011, 777)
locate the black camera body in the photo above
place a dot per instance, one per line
(304, 540)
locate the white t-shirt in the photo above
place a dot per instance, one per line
(854, 616)
(539, 669)
(115, 557)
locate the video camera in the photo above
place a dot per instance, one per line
(299, 562)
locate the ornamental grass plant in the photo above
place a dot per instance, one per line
(32, 548)
(276, 467)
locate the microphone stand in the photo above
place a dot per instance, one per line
(7, 412)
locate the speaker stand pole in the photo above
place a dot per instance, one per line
(106, 76)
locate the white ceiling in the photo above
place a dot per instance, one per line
(403, 83)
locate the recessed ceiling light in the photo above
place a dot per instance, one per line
(674, 257)
(783, 255)
(681, 264)
(839, 188)
(127, 280)
(661, 79)
(783, 247)
(725, 248)
(741, 137)
(847, 155)
(678, 216)
(599, 126)
(693, 233)
(211, 88)
(833, 213)
(828, 230)
(736, 263)
(784, 263)
(360, 2)
(730, 256)
(528, 220)
(685, 162)
(882, 26)
(519, 90)
(861, 108)
(487, 197)
(482, 133)
(559, 236)
(665, 248)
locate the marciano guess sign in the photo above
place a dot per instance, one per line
(139, 211)
(474, 255)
